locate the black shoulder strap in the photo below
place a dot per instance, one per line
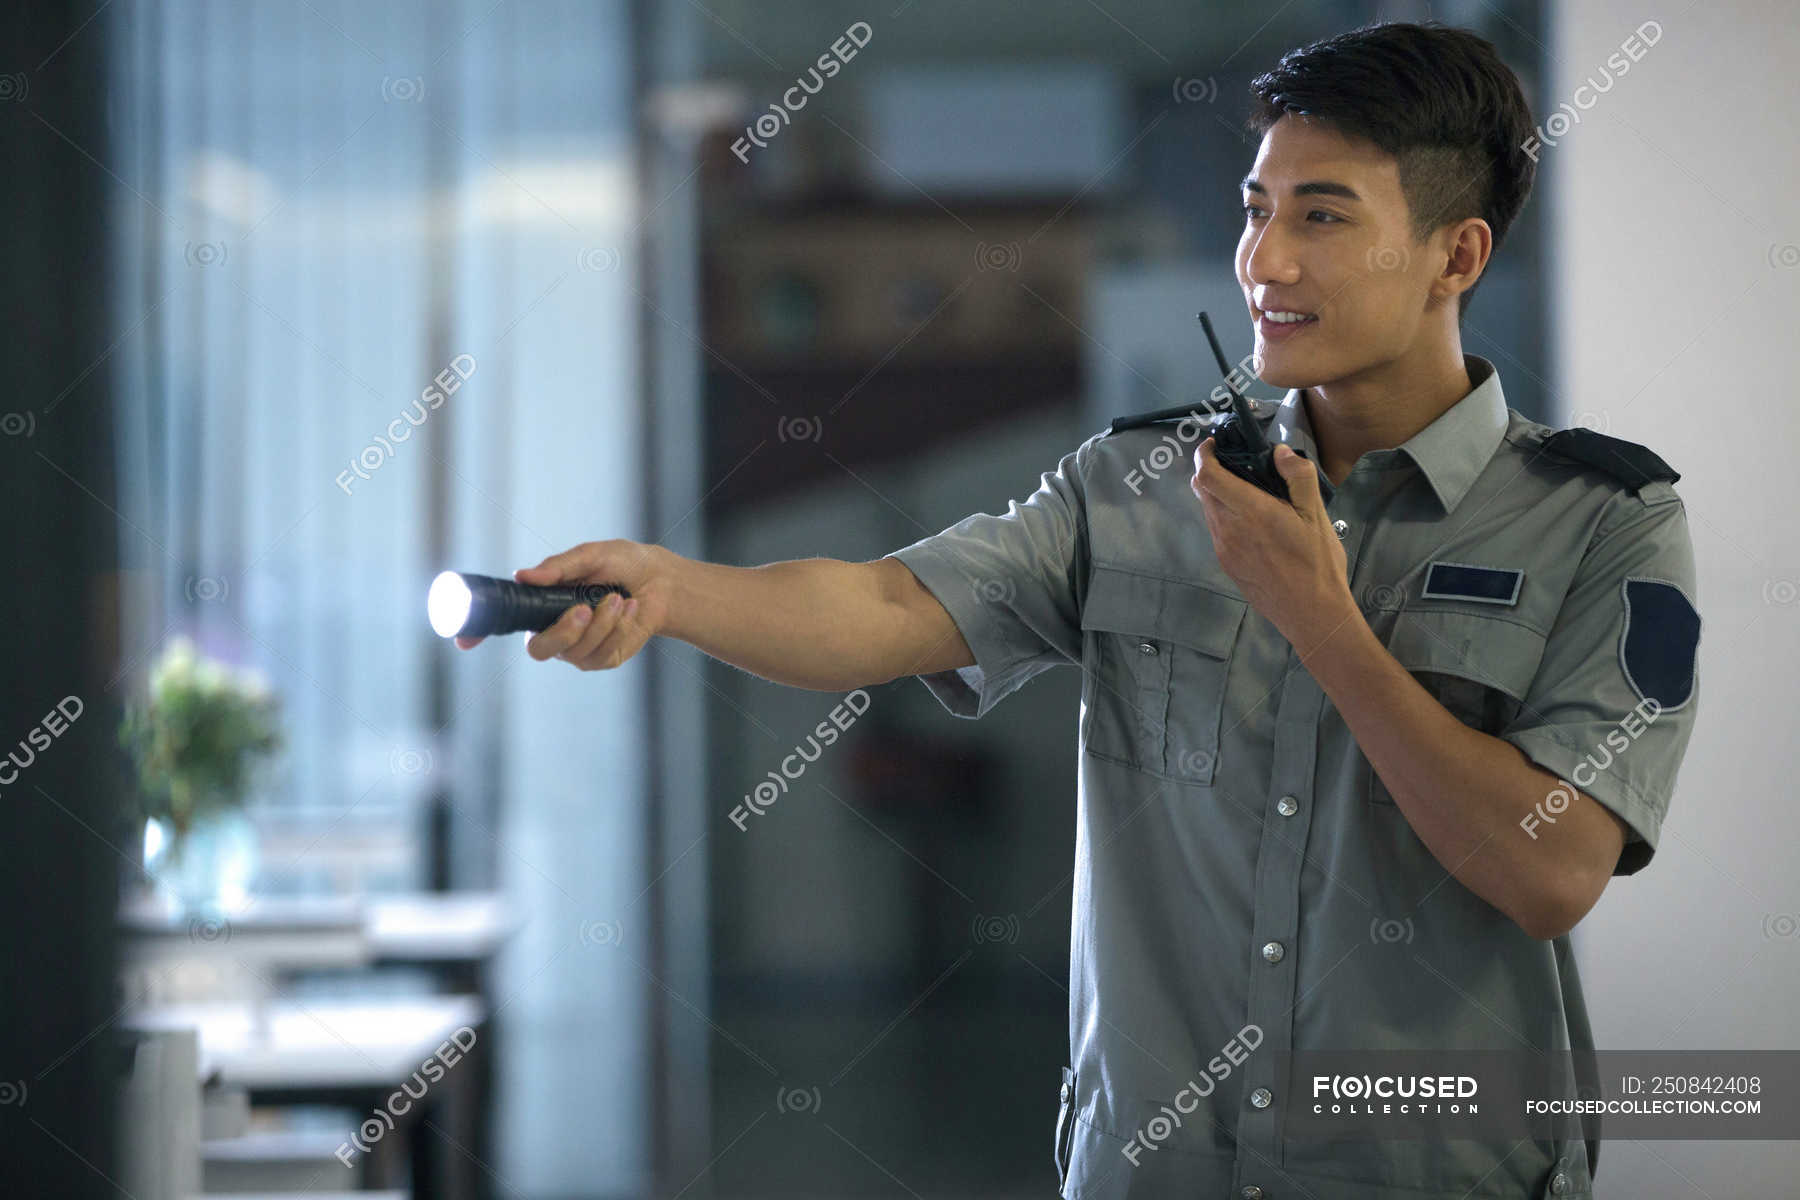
(1629, 463)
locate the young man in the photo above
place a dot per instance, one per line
(1352, 766)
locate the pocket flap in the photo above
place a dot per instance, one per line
(1491, 650)
(1189, 614)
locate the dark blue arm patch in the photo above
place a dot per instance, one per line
(1463, 581)
(1661, 638)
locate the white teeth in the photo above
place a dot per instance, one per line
(1287, 318)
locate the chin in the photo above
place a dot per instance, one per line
(1281, 369)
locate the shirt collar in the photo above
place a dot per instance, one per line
(1450, 452)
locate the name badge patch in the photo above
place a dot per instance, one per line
(1465, 581)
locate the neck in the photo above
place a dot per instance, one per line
(1382, 407)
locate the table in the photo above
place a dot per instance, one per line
(355, 1054)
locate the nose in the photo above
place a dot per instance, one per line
(1268, 257)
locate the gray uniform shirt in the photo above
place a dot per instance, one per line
(1237, 860)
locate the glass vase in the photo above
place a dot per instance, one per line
(204, 872)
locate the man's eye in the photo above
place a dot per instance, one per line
(1329, 217)
(1250, 210)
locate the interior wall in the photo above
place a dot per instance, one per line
(1676, 294)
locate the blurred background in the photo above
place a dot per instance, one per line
(308, 301)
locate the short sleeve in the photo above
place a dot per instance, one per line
(1010, 584)
(1613, 702)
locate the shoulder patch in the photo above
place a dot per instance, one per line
(1658, 645)
(1628, 462)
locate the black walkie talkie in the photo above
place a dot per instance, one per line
(1237, 438)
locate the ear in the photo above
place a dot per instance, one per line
(1468, 244)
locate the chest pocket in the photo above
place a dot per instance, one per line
(1156, 652)
(1478, 665)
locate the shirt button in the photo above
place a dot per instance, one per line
(1272, 951)
(1252, 1193)
(1261, 1097)
(1559, 1183)
(1066, 1092)
(1287, 806)
(1340, 527)
(1146, 648)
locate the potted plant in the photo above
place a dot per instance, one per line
(196, 736)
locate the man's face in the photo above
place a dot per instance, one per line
(1327, 233)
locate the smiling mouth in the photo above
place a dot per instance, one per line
(1277, 324)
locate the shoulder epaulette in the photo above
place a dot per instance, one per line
(1628, 462)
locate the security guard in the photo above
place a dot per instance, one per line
(1354, 761)
(1245, 881)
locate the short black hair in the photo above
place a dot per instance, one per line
(1438, 98)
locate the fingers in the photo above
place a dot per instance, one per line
(592, 638)
(606, 615)
(560, 636)
(468, 643)
(1209, 481)
(614, 636)
(1302, 479)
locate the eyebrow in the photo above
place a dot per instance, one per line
(1317, 187)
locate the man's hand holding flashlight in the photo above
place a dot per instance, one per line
(600, 637)
(816, 623)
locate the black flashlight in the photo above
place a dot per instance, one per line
(464, 605)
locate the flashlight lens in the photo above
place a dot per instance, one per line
(448, 604)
